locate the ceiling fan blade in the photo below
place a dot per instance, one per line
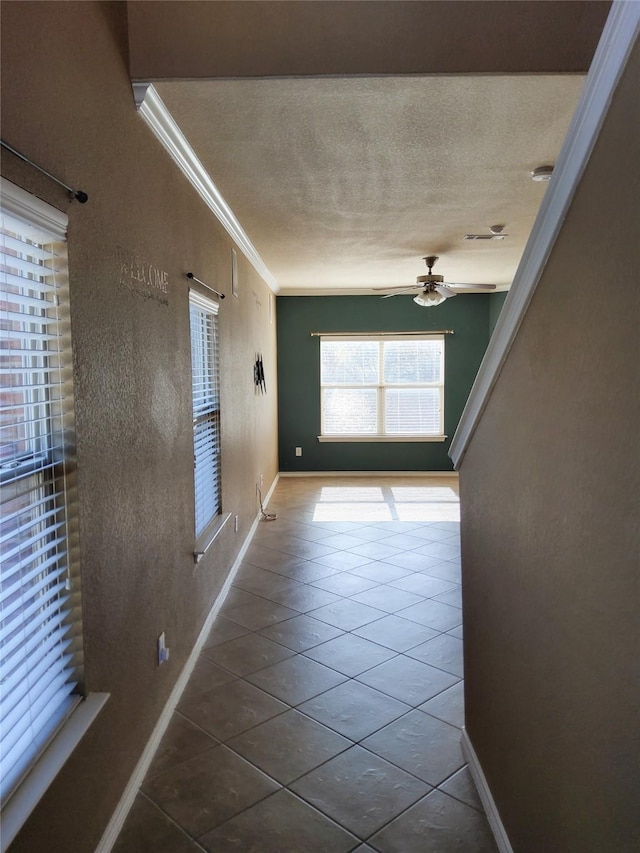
(445, 291)
(468, 286)
(398, 289)
(398, 292)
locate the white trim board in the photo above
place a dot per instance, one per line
(618, 38)
(119, 816)
(484, 792)
(369, 474)
(162, 123)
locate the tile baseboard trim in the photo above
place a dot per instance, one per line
(119, 816)
(449, 474)
(484, 792)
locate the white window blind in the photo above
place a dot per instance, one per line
(206, 409)
(382, 386)
(39, 625)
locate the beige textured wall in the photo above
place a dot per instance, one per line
(67, 104)
(191, 39)
(550, 498)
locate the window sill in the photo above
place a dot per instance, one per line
(381, 438)
(33, 786)
(211, 533)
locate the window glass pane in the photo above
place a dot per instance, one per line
(350, 411)
(412, 362)
(412, 411)
(37, 630)
(207, 471)
(349, 362)
(205, 377)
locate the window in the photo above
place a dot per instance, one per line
(39, 618)
(206, 410)
(382, 388)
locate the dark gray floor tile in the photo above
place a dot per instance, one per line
(282, 823)
(408, 680)
(306, 550)
(436, 823)
(222, 631)
(345, 584)
(260, 581)
(448, 705)
(343, 560)
(231, 709)
(205, 791)
(148, 830)
(453, 597)
(288, 746)
(306, 571)
(237, 597)
(442, 550)
(387, 598)
(261, 613)
(354, 710)
(347, 614)
(424, 585)
(181, 740)
(462, 787)
(380, 572)
(405, 541)
(359, 790)
(269, 558)
(350, 654)
(433, 614)
(420, 744)
(206, 675)
(301, 633)
(342, 541)
(248, 654)
(396, 633)
(444, 652)
(375, 550)
(444, 571)
(411, 560)
(296, 679)
(304, 598)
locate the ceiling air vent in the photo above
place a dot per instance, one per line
(484, 236)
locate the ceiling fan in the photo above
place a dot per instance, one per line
(434, 289)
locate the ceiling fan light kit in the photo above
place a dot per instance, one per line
(429, 299)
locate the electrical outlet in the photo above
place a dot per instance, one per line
(298, 451)
(163, 651)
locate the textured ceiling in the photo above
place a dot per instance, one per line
(344, 184)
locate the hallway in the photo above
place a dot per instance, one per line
(325, 710)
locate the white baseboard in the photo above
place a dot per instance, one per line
(484, 792)
(126, 801)
(378, 474)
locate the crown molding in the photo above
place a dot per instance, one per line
(617, 41)
(153, 110)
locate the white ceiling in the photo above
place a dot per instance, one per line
(344, 184)
(351, 139)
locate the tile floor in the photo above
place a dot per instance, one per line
(324, 714)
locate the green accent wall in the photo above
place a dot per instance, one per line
(496, 301)
(299, 375)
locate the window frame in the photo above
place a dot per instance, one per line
(208, 363)
(49, 458)
(381, 387)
